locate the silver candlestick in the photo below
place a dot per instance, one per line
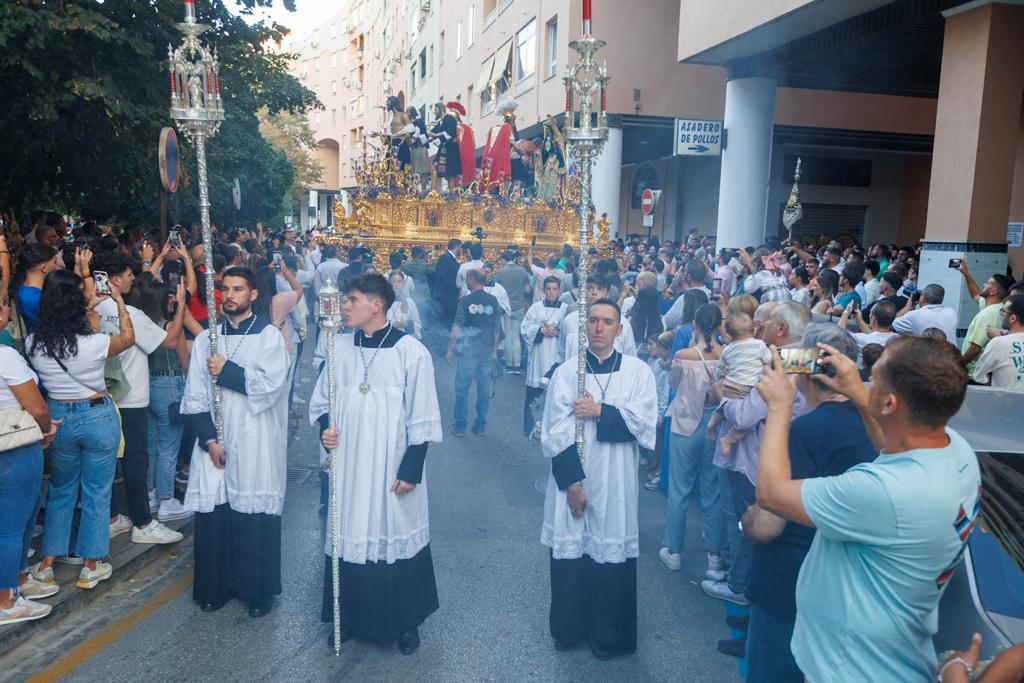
(586, 130)
(197, 108)
(329, 312)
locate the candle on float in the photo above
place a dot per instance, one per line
(190, 11)
(172, 82)
(216, 82)
(587, 17)
(568, 101)
(209, 83)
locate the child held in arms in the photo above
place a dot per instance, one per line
(742, 362)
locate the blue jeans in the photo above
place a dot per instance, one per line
(21, 475)
(467, 370)
(164, 437)
(737, 495)
(769, 657)
(82, 456)
(691, 459)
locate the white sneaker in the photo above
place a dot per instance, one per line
(154, 502)
(716, 568)
(721, 591)
(171, 509)
(155, 532)
(89, 578)
(23, 610)
(31, 553)
(670, 559)
(121, 525)
(34, 590)
(42, 575)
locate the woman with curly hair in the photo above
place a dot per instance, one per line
(69, 355)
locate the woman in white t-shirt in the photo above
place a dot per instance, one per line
(69, 355)
(21, 476)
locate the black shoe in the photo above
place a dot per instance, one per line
(565, 645)
(738, 623)
(602, 652)
(213, 606)
(409, 641)
(479, 431)
(260, 608)
(345, 635)
(734, 647)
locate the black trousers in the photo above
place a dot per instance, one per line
(594, 602)
(135, 465)
(237, 555)
(380, 600)
(529, 416)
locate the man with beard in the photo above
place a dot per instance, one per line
(237, 486)
(387, 413)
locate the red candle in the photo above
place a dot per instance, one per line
(568, 101)
(172, 82)
(604, 101)
(587, 9)
(209, 83)
(216, 82)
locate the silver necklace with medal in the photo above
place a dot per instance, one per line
(224, 333)
(615, 367)
(364, 387)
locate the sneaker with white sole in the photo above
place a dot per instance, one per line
(34, 590)
(155, 532)
(121, 525)
(171, 509)
(90, 578)
(721, 591)
(673, 561)
(42, 575)
(716, 568)
(653, 484)
(24, 610)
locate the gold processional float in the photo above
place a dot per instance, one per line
(389, 213)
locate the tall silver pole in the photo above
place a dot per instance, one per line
(586, 84)
(198, 109)
(211, 297)
(329, 306)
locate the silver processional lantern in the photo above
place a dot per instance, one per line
(329, 312)
(586, 131)
(198, 111)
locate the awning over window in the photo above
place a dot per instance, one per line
(502, 63)
(485, 75)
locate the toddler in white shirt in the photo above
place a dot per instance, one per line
(740, 368)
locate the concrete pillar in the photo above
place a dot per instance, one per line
(746, 162)
(607, 179)
(976, 129)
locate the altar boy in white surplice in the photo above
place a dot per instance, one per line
(590, 508)
(387, 413)
(542, 337)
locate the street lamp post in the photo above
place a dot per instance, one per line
(198, 110)
(586, 130)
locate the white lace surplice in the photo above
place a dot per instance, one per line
(608, 530)
(255, 426)
(400, 410)
(545, 354)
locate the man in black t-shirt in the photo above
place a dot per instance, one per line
(825, 442)
(474, 341)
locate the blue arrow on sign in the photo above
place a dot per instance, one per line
(698, 148)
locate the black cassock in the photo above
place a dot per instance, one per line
(448, 159)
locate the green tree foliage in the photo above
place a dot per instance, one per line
(290, 133)
(84, 92)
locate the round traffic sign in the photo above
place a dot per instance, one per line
(647, 202)
(168, 159)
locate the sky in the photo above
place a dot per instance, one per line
(307, 14)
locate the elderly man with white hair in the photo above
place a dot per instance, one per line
(644, 279)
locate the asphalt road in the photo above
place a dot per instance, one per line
(492, 574)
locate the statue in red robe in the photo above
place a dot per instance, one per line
(498, 150)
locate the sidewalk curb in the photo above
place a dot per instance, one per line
(127, 560)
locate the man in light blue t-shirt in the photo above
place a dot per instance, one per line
(890, 532)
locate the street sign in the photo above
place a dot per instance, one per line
(649, 220)
(697, 137)
(168, 159)
(1014, 231)
(647, 202)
